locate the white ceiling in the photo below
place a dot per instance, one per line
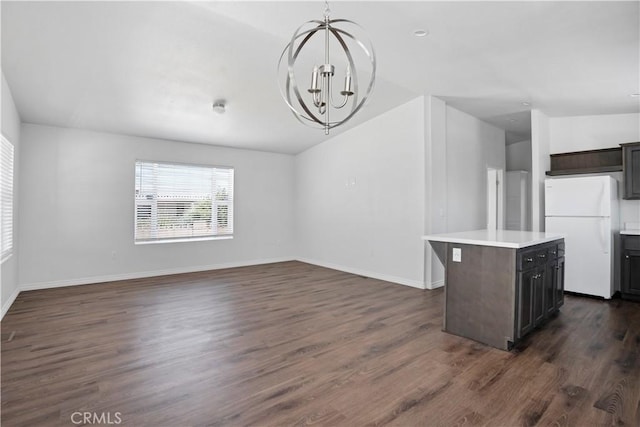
(154, 68)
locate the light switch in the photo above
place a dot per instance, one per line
(457, 255)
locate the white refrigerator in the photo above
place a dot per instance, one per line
(585, 209)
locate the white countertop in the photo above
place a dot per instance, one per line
(499, 238)
(631, 228)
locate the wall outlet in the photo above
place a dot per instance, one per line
(457, 255)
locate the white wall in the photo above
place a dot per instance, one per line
(11, 130)
(519, 156)
(580, 133)
(359, 198)
(77, 208)
(435, 155)
(540, 164)
(472, 147)
(519, 159)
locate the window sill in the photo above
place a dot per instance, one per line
(182, 239)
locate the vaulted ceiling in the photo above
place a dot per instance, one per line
(155, 68)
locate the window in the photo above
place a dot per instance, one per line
(6, 198)
(182, 202)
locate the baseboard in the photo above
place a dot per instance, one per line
(374, 275)
(435, 285)
(144, 274)
(194, 269)
(7, 305)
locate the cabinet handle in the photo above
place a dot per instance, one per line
(626, 256)
(529, 259)
(553, 252)
(542, 256)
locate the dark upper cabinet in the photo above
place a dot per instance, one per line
(631, 170)
(630, 267)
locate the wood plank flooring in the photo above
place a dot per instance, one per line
(295, 344)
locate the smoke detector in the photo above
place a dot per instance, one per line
(220, 106)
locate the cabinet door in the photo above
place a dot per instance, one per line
(631, 272)
(538, 295)
(549, 288)
(558, 283)
(525, 302)
(631, 162)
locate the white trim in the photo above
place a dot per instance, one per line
(435, 285)
(7, 305)
(182, 240)
(387, 278)
(139, 275)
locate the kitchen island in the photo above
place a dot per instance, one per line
(500, 284)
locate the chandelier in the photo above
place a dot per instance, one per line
(316, 105)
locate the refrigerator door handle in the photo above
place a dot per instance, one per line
(603, 236)
(603, 189)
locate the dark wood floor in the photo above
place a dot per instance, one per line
(294, 344)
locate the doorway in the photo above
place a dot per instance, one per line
(495, 199)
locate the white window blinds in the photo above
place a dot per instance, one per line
(179, 201)
(6, 198)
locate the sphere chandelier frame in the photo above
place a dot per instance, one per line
(320, 93)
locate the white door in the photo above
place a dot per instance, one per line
(588, 268)
(584, 196)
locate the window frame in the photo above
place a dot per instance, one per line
(6, 253)
(159, 240)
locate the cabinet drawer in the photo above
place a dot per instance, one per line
(630, 242)
(531, 258)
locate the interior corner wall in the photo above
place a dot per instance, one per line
(10, 122)
(472, 147)
(540, 163)
(579, 133)
(359, 198)
(77, 208)
(519, 156)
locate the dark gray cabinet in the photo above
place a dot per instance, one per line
(550, 289)
(496, 295)
(558, 282)
(540, 285)
(526, 283)
(630, 266)
(631, 170)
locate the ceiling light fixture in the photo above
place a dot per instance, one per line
(314, 107)
(220, 106)
(421, 33)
